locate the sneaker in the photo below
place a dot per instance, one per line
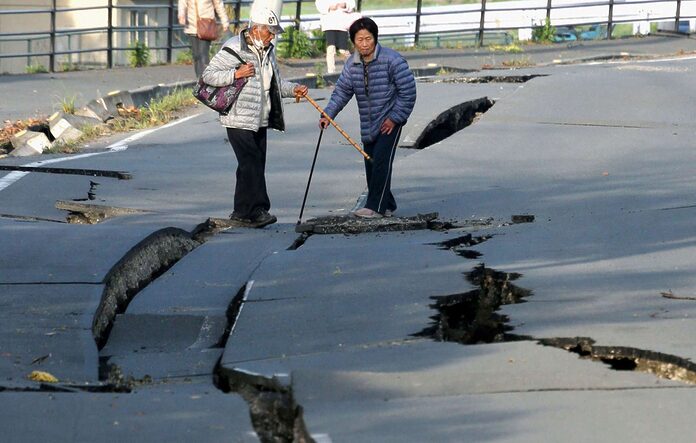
(263, 219)
(238, 218)
(367, 213)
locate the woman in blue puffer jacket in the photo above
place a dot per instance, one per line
(385, 89)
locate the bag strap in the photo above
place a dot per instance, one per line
(195, 2)
(230, 51)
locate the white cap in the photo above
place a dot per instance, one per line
(266, 16)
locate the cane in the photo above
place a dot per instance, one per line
(311, 171)
(338, 128)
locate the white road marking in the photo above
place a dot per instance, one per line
(122, 145)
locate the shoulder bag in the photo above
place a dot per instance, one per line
(206, 28)
(220, 98)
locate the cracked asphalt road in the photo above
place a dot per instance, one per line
(242, 338)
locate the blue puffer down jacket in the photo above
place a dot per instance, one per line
(387, 91)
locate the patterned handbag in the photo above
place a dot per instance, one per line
(220, 98)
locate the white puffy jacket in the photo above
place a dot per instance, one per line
(338, 19)
(246, 112)
(206, 9)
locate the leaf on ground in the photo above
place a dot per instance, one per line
(45, 377)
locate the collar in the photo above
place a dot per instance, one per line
(358, 60)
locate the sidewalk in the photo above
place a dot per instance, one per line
(30, 95)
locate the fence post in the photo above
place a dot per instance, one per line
(677, 16)
(419, 6)
(359, 5)
(548, 11)
(237, 15)
(482, 24)
(52, 56)
(170, 32)
(610, 19)
(110, 36)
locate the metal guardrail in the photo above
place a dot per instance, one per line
(173, 30)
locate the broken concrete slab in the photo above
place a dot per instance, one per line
(207, 279)
(27, 143)
(350, 224)
(105, 108)
(326, 300)
(67, 127)
(89, 214)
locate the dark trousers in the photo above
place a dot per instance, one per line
(250, 194)
(200, 50)
(379, 171)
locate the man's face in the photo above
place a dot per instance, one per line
(263, 34)
(365, 42)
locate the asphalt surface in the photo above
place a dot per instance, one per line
(576, 325)
(42, 94)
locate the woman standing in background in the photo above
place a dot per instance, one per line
(189, 12)
(336, 18)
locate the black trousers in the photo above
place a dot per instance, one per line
(379, 171)
(250, 194)
(200, 50)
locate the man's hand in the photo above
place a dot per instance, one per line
(300, 91)
(324, 123)
(182, 20)
(245, 70)
(387, 126)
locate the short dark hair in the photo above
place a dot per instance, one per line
(365, 23)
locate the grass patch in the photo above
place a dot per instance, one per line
(36, 68)
(158, 112)
(522, 62)
(512, 48)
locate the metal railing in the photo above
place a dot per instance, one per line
(112, 33)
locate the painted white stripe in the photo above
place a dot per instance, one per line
(14, 177)
(247, 290)
(391, 163)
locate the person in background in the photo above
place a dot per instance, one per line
(336, 17)
(385, 90)
(258, 107)
(189, 10)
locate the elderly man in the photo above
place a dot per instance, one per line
(258, 108)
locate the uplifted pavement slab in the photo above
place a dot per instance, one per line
(177, 413)
(333, 292)
(176, 325)
(48, 328)
(206, 280)
(419, 368)
(646, 415)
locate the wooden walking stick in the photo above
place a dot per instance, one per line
(338, 128)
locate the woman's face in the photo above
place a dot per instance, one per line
(365, 42)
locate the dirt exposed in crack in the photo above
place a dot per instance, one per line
(461, 245)
(483, 79)
(471, 317)
(275, 415)
(452, 120)
(621, 358)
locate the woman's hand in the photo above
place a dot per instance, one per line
(245, 70)
(324, 123)
(387, 126)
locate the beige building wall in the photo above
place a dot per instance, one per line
(92, 43)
